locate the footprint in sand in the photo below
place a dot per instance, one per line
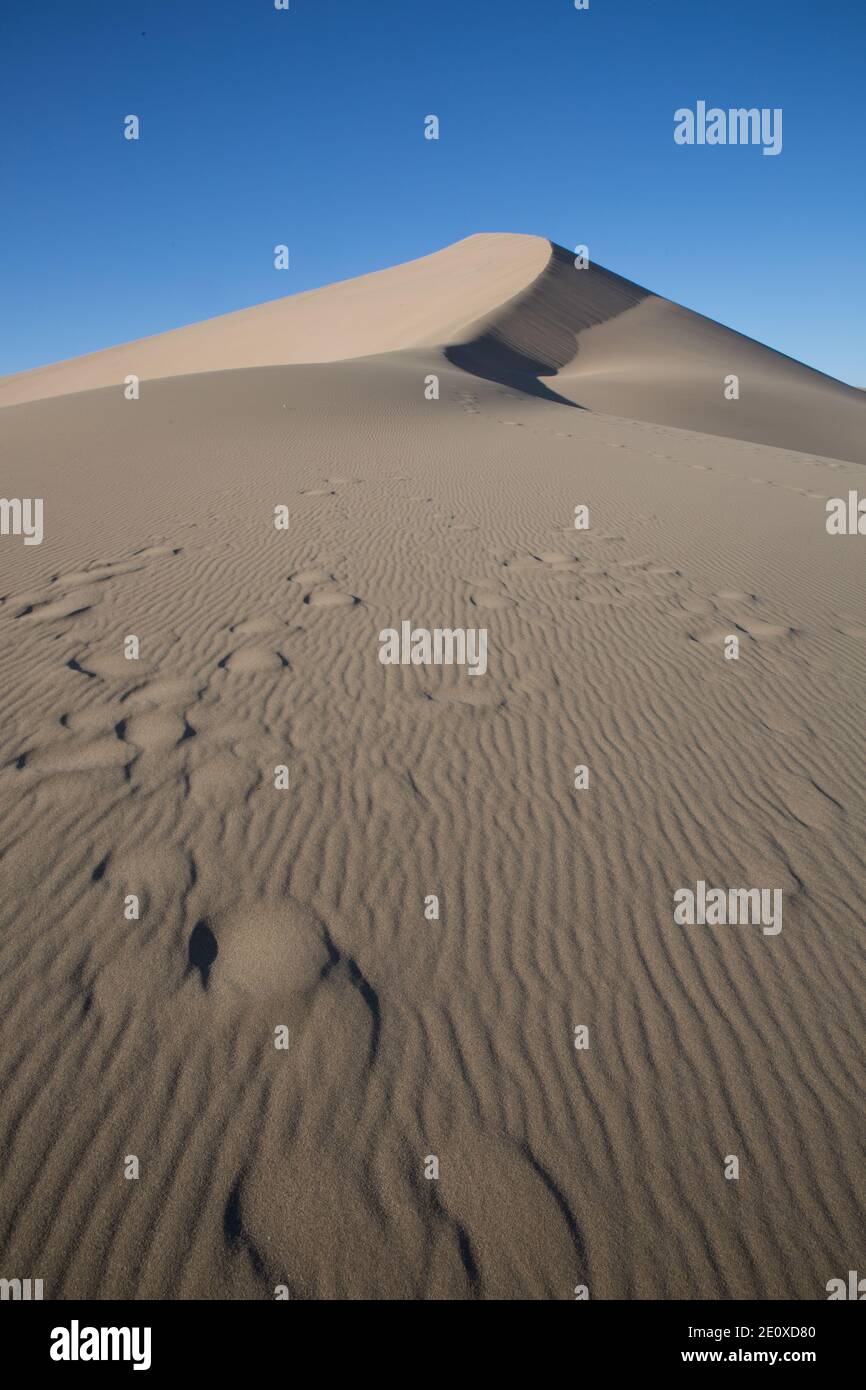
(770, 631)
(222, 779)
(713, 636)
(114, 732)
(254, 659)
(490, 600)
(95, 719)
(92, 746)
(539, 561)
(156, 730)
(158, 875)
(258, 627)
(330, 598)
(110, 665)
(523, 564)
(260, 954)
(155, 552)
(74, 754)
(259, 949)
(49, 611)
(321, 590)
(61, 590)
(175, 693)
(557, 560)
(22, 602)
(99, 574)
(69, 595)
(759, 632)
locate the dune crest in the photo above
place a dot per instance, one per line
(421, 302)
(513, 309)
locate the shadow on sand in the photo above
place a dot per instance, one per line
(536, 334)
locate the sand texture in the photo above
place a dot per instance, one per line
(304, 908)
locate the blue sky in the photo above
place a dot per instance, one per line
(305, 127)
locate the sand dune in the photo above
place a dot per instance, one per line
(427, 301)
(601, 342)
(304, 908)
(515, 310)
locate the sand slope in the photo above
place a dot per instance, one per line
(305, 907)
(513, 309)
(426, 301)
(600, 341)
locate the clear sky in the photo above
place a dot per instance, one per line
(305, 127)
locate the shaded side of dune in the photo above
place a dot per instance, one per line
(591, 338)
(536, 333)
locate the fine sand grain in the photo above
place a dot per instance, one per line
(304, 908)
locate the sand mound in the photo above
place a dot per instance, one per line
(515, 310)
(427, 301)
